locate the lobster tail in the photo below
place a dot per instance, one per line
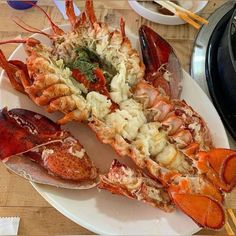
(222, 164)
(205, 211)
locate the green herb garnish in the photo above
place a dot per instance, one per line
(86, 61)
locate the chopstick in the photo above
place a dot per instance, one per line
(228, 227)
(183, 13)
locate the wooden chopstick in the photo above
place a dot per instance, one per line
(191, 14)
(185, 17)
(232, 215)
(228, 228)
(183, 13)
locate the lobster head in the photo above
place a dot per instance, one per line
(163, 68)
(22, 130)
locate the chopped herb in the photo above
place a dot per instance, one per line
(86, 61)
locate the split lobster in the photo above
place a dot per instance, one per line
(32, 136)
(93, 75)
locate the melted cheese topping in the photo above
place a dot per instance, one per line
(99, 104)
(119, 87)
(127, 120)
(150, 141)
(76, 153)
(154, 193)
(46, 153)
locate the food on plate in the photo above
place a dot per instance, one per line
(34, 136)
(135, 185)
(93, 75)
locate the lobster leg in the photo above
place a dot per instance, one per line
(163, 69)
(10, 70)
(89, 9)
(70, 12)
(17, 72)
(57, 31)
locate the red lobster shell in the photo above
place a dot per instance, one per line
(30, 140)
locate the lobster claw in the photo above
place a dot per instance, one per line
(22, 130)
(163, 68)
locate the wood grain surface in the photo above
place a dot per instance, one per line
(17, 196)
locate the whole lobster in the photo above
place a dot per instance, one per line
(93, 75)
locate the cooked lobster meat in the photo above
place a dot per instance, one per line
(135, 185)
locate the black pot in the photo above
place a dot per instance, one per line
(218, 67)
(226, 62)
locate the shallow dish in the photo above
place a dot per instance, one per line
(161, 18)
(100, 211)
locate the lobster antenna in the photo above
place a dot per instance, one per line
(31, 29)
(13, 41)
(55, 28)
(29, 41)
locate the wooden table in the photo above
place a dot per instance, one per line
(17, 197)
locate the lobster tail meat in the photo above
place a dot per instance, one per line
(134, 184)
(163, 68)
(34, 136)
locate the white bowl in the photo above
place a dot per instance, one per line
(161, 18)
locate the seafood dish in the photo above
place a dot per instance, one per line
(92, 75)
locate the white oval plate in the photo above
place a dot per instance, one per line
(100, 211)
(161, 18)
